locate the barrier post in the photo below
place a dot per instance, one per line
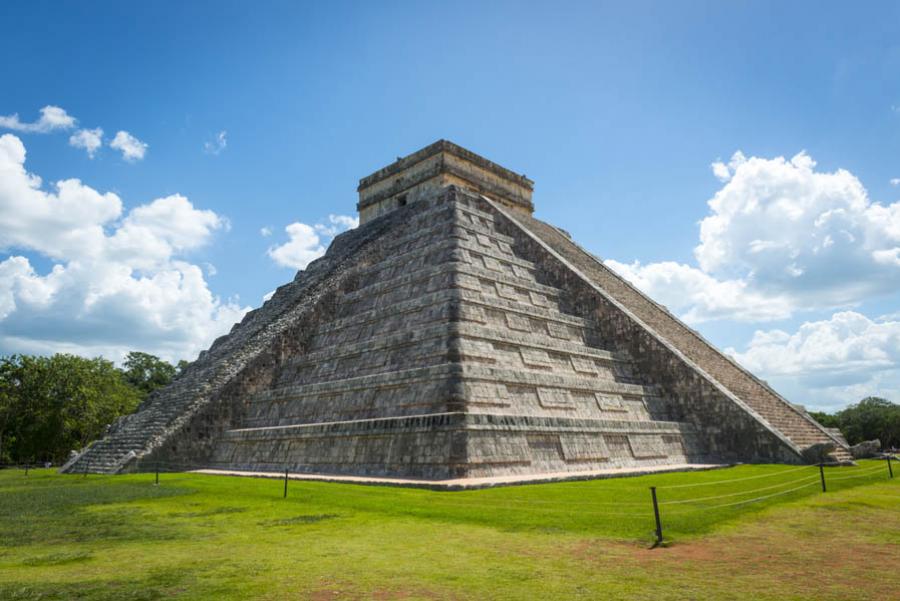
(157, 474)
(659, 535)
(26, 470)
(822, 476)
(285, 482)
(890, 469)
(87, 464)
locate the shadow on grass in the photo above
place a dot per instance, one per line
(58, 559)
(81, 510)
(159, 584)
(209, 512)
(301, 519)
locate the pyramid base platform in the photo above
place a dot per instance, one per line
(459, 446)
(457, 484)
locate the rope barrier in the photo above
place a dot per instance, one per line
(737, 494)
(757, 499)
(713, 482)
(858, 475)
(675, 507)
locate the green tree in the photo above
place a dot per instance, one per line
(148, 372)
(51, 405)
(7, 411)
(871, 418)
(826, 419)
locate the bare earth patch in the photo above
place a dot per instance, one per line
(828, 553)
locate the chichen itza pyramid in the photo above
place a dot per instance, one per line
(453, 335)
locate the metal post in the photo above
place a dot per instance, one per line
(157, 473)
(285, 482)
(87, 464)
(659, 536)
(890, 469)
(26, 470)
(822, 476)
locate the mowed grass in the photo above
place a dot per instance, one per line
(755, 532)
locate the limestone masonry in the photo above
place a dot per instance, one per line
(453, 335)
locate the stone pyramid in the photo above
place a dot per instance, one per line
(453, 335)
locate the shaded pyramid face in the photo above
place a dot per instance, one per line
(452, 335)
(449, 357)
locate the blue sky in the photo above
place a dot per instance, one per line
(617, 111)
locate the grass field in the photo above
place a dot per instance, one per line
(754, 532)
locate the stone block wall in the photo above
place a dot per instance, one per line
(731, 430)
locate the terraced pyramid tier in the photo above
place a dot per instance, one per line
(453, 335)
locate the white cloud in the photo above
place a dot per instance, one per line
(305, 244)
(118, 283)
(789, 229)
(723, 171)
(89, 139)
(131, 148)
(697, 297)
(830, 362)
(52, 118)
(217, 144)
(720, 170)
(265, 232)
(68, 221)
(337, 224)
(895, 181)
(346, 222)
(303, 247)
(783, 237)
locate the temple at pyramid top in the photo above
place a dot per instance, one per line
(424, 172)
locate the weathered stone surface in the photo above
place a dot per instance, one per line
(819, 452)
(866, 449)
(456, 336)
(663, 335)
(426, 172)
(838, 436)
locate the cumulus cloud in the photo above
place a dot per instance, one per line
(217, 144)
(89, 139)
(895, 181)
(305, 244)
(789, 229)
(697, 297)
(337, 224)
(52, 118)
(832, 361)
(131, 148)
(786, 237)
(119, 281)
(303, 247)
(265, 232)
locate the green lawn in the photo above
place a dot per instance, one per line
(216, 537)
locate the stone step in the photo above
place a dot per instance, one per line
(775, 410)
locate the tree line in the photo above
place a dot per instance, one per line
(871, 418)
(50, 406)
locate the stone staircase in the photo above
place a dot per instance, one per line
(447, 348)
(780, 414)
(436, 344)
(170, 409)
(133, 434)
